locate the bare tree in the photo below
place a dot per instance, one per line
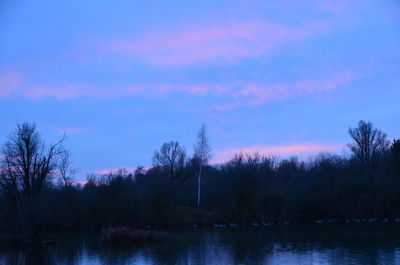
(65, 168)
(170, 158)
(202, 154)
(369, 142)
(28, 163)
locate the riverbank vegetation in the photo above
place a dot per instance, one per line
(39, 195)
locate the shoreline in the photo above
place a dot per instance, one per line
(11, 240)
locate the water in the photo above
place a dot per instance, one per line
(319, 244)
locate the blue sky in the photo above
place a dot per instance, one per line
(122, 77)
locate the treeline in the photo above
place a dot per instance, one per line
(37, 193)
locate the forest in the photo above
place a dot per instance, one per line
(39, 194)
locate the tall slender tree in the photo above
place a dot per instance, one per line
(202, 154)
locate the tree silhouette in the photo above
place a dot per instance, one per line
(27, 166)
(27, 162)
(369, 142)
(64, 165)
(170, 158)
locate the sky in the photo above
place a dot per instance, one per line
(120, 78)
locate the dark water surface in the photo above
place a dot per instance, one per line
(318, 244)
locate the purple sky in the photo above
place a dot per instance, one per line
(122, 77)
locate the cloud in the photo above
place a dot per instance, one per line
(58, 92)
(9, 82)
(334, 7)
(254, 94)
(275, 150)
(63, 92)
(231, 95)
(221, 42)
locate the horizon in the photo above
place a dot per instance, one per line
(275, 78)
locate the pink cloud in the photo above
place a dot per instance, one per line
(335, 7)
(253, 94)
(9, 81)
(276, 150)
(63, 92)
(226, 42)
(241, 93)
(59, 92)
(151, 89)
(312, 86)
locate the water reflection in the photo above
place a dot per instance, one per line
(330, 245)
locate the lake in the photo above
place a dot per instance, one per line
(316, 244)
